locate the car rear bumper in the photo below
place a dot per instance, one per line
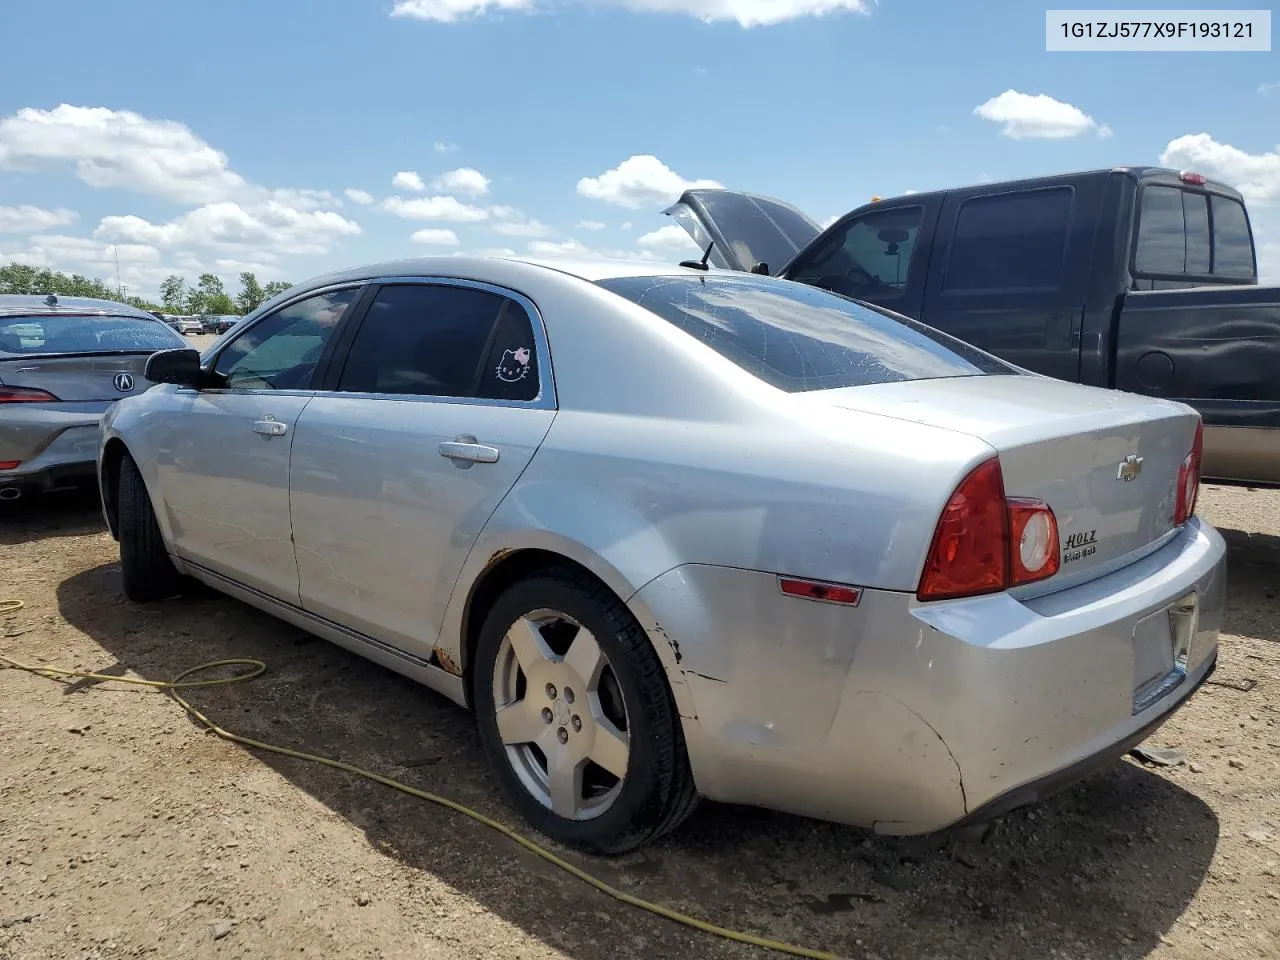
(67, 457)
(911, 717)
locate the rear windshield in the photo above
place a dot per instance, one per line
(797, 337)
(70, 334)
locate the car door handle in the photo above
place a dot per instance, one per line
(270, 427)
(465, 450)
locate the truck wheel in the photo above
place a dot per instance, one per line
(576, 716)
(145, 566)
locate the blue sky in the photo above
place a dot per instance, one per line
(185, 137)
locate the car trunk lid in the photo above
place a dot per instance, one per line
(1106, 462)
(78, 377)
(745, 231)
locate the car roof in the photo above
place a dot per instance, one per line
(37, 305)
(498, 270)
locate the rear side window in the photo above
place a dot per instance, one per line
(870, 259)
(1010, 241)
(1184, 233)
(797, 337)
(1232, 240)
(72, 334)
(442, 340)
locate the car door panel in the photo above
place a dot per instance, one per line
(383, 520)
(223, 457)
(438, 399)
(225, 486)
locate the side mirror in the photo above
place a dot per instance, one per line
(761, 268)
(180, 366)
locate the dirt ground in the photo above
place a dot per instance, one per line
(125, 831)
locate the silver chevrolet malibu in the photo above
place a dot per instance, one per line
(676, 533)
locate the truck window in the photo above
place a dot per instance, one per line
(1232, 240)
(1173, 232)
(1010, 241)
(868, 259)
(1178, 238)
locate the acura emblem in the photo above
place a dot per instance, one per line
(1129, 469)
(123, 382)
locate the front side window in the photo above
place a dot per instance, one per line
(280, 352)
(870, 259)
(1010, 241)
(797, 337)
(443, 340)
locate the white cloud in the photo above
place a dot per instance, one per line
(442, 147)
(28, 219)
(829, 221)
(1269, 263)
(231, 267)
(464, 180)
(362, 197)
(747, 13)
(1266, 88)
(563, 248)
(591, 225)
(1027, 115)
(118, 148)
(671, 237)
(513, 223)
(638, 181)
(435, 208)
(436, 237)
(258, 229)
(1256, 175)
(626, 225)
(408, 180)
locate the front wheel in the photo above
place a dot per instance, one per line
(576, 716)
(145, 567)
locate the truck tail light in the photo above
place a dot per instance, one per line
(986, 542)
(1189, 479)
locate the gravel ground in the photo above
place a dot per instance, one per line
(125, 831)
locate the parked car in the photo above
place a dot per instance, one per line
(224, 323)
(739, 537)
(189, 326)
(63, 360)
(1138, 278)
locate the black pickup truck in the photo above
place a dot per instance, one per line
(1135, 278)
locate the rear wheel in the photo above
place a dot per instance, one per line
(576, 716)
(145, 567)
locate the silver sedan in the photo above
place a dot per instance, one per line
(62, 362)
(674, 532)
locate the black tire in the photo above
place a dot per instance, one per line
(658, 792)
(145, 566)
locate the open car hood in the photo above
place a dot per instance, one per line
(746, 231)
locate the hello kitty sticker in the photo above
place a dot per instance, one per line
(514, 365)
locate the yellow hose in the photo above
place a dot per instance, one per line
(257, 668)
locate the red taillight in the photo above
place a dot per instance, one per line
(818, 590)
(1189, 479)
(25, 395)
(1186, 176)
(9, 464)
(970, 553)
(985, 542)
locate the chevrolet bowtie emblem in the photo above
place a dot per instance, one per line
(1129, 469)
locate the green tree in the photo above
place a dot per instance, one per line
(173, 293)
(24, 279)
(275, 288)
(251, 293)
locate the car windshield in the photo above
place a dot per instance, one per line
(72, 334)
(798, 338)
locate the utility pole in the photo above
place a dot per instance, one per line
(116, 250)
